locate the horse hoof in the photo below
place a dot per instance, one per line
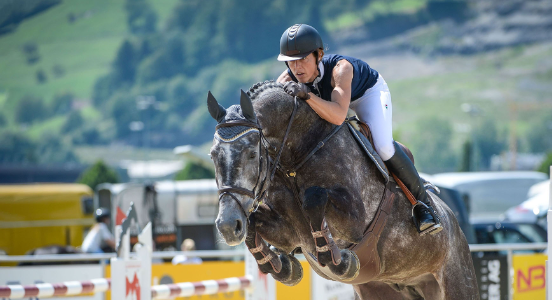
(292, 271)
(349, 267)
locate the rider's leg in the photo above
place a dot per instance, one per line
(375, 109)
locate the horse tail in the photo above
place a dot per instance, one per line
(256, 90)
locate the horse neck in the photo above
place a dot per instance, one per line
(307, 128)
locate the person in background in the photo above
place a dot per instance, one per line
(187, 245)
(99, 237)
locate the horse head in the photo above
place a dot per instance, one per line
(239, 161)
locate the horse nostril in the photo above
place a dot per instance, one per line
(238, 227)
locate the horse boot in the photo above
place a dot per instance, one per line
(343, 263)
(284, 268)
(424, 216)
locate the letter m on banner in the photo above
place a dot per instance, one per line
(133, 288)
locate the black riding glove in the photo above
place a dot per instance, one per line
(299, 90)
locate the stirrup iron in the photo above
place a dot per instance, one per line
(433, 229)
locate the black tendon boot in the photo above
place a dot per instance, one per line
(424, 216)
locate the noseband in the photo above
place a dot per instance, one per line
(263, 186)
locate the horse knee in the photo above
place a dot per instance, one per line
(315, 199)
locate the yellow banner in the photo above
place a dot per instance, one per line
(529, 276)
(168, 273)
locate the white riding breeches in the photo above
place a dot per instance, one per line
(375, 109)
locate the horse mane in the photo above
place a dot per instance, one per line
(256, 90)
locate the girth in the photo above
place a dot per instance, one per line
(367, 249)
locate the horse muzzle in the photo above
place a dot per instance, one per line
(231, 221)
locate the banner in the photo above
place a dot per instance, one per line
(529, 276)
(323, 289)
(492, 275)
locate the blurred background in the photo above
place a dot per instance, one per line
(125, 82)
(106, 99)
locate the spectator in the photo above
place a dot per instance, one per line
(99, 238)
(187, 245)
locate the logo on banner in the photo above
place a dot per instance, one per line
(133, 287)
(532, 280)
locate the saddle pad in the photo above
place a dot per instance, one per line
(370, 151)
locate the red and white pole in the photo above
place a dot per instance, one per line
(207, 287)
(46, 290)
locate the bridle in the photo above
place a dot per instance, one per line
(258, 193)
(258, 196)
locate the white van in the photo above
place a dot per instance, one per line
(177, 209)
(488, 194)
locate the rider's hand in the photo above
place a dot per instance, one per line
(299, 90)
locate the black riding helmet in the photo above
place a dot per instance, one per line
(102, 213)
(299, 41)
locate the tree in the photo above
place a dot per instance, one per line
(30, 50)
(124, 66)
(73, 122)
(141, 18)
(465, 164)
(539, 135)
(3, 121)
(545, 166)
(488, 142)
(15, 147)
(194, 170)
(41, 76)
(62, 103)
(98, 173)
(52, 150)
(104, 87)
(29, 109)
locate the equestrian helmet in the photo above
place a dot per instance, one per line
(102, 213)
(299, 41)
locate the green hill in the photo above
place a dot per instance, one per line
(71, 75)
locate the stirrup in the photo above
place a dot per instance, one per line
(433, 229)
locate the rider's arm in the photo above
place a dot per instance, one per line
(284, 77)
(335, 111)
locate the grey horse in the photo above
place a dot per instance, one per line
(303, 185)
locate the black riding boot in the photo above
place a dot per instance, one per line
(404, 169)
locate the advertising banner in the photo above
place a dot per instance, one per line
(492, 275)
(529, 276)
(323, 289)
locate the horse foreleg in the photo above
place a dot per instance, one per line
(284, 268)
(342, 263)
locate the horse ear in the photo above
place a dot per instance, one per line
(216, 110)
(247, 107)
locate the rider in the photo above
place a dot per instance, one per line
(331, 84)
(99, 237)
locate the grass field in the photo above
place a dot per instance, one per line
(84, 49)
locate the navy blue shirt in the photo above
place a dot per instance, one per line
(364, 77)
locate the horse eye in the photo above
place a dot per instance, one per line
(253, 154)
